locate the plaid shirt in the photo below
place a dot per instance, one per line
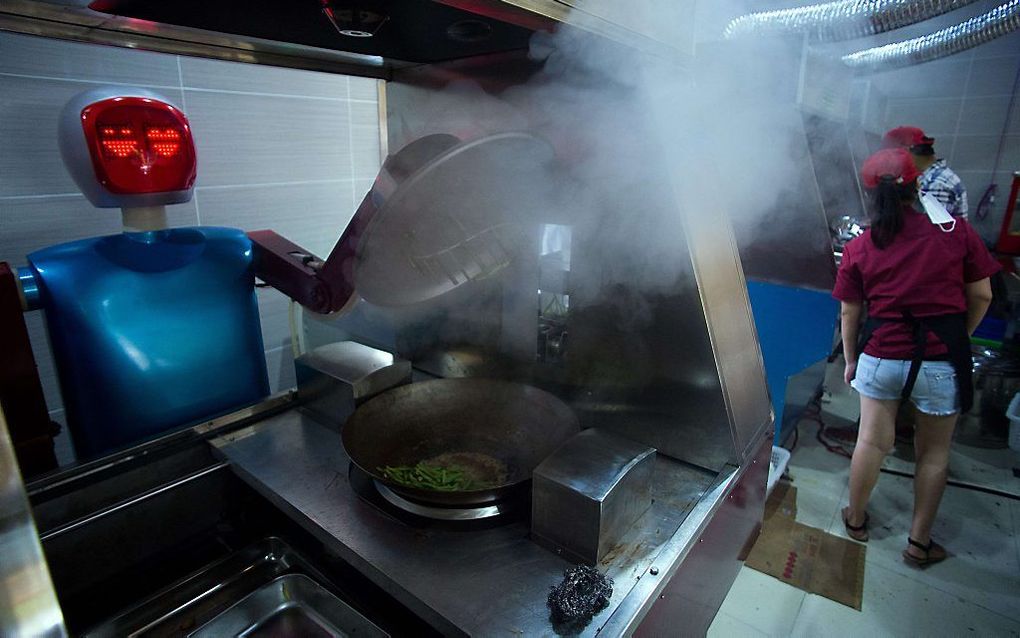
(944, 185)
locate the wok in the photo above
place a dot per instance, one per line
(513, 423)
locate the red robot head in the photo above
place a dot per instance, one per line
(127, 148)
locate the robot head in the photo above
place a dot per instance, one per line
(127, 148)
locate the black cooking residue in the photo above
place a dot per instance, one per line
(584, 592)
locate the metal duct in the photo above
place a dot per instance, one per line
(998, 22)
(843, 20)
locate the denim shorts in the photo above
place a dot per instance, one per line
(934, 392)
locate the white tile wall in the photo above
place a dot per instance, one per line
(245, 138)
(311, 214)
(220, 76)
(874, 110)
(365, 148)
(274, 312)
(46, 58)
(36, 324)
(942, 78)
(937, 116)
(1013, 127)
(978, 152)
(364, 89)
(993, 75)
(976, 182)
(280, 364)
(284, 149)
(983, 116)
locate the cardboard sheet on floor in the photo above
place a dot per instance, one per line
(806, 557)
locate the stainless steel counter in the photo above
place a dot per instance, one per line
(28, 604)
(479, 582)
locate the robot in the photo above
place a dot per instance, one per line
(157, 328)
(154, 327)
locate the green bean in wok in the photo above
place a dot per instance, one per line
(432, 477)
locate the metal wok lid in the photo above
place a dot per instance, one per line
(452, 214)
(515, 424)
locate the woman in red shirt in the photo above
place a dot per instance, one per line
(926, 288)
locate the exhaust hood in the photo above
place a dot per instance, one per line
(408, 31)
(371, 38)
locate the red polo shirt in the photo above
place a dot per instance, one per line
(924, 270)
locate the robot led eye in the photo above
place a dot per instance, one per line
(165, 141)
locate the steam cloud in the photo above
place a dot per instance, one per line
(697, 126)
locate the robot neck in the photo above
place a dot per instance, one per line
(143, 218)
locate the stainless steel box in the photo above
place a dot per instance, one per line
(589, 492)
(335, 378)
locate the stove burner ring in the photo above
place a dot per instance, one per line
(440, 513)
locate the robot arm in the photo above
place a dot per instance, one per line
(321, 286)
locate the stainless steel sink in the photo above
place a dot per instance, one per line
(162, 538)
(266, 589)
(291, 605)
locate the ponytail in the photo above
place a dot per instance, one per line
(887, 201)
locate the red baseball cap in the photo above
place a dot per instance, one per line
(905, 137)
(889, 162)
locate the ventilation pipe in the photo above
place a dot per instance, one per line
(842, 20)
(998, 22)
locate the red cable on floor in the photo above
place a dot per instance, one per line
(813, 412)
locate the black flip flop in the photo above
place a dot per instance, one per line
(857, 532)
(928, 559)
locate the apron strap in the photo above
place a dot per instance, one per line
(951, 330)
(920, 341)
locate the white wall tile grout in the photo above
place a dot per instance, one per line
(180, 79)
(198, 210)
(39, 196)
(283, 95)
(350, 143)
(47, 78)
(959, 114)
(184, 106)
(342, 180)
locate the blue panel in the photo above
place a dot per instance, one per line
(151, 331)
(795, 328)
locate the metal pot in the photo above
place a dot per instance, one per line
(515, 424)
(996, 381)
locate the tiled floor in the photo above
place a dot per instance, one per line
(976, 592)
